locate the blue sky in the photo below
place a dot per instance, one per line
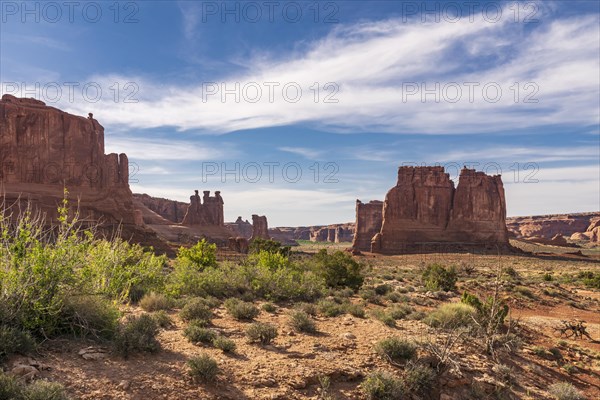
(510, 87)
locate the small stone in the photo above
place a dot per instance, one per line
(348, 336)
(124, 385)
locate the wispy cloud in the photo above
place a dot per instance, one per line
(160, 149)
(373, 62)
(310, 154)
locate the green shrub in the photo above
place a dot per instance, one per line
(436, 277)
(383, 289)
(356, 310)
(380, 385)
(270, 246)
(484, 309)
(547, 277)
(385, 318)
(451, 315)
(269, 307)
(196, 333)
(10, 387)
(137, 334)
(261, 333)
(308, 308)
(368, 294)
(85, 316)
(203, 368)
(330, 308)
(45, 390)
(339, 269)
(122, 271)
(419, 378)
(592, 280)
(396, 350)
(241, 310)
(394, 297)
(224, 344)
(400, 311)
(155, 302)
(565, 391)
(13, 340)
(196, 308)
(162, 319)
(301, 322)
(201, 255)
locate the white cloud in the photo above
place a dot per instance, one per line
(310, 154)
(160, 149)
(370, 62)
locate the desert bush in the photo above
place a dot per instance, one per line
(385, 318)
(419, 378)
(269, 307)
(137, 334)
(155, 302)
(400, 311)
(85, 316)
(590, 279)
(436, 277)
(565, 391)
(308, 308)
(504, 373)
(45, 390)
(261, 333)
(485, 310)
(121, 271)
(369, 294)
(383, 289)
(203, 368)
(301, 322)
(356, 310)
(268, 245)
(14, 340)
(162, 319)
(197, 333)
(196, 308)
(241, 310)
(202, 255)
(380, 385)
(396, 350)
(451, 315)
(224, 344)
(330, 308)
(394, 297)
(510, 272)
(339, 269)
(10, 387)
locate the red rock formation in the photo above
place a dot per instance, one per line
(260, 228)
(43, 150)
(239, 244)
(240, 227)
(424, 209)
(208, 212)
(548, 226)
(369, 217)
(171, 210)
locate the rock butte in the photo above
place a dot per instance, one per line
(260, 228)
(424, 211)
(43, 150)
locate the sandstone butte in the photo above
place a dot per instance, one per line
(425, 211)
(44, 150)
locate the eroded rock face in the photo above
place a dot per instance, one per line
(369, 217)
(241, 227)
(171, 210)
(43, 150)
(239, 244)
(205, 212)
(548, 226)
(260, 228)
(424, 209)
